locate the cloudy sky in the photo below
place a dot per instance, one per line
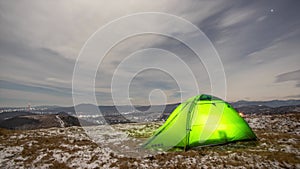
(40, 41)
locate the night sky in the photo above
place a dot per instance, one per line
(258, 43)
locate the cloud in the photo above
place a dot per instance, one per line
(40, 47)
(45, 89)
(289, 76)
(40, 41)
(293, 96)
(233, 17)
(20, 56)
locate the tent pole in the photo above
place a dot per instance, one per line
(188, 125)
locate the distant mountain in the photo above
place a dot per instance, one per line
(45, 107)
(271, 103)
(87, 114)
(34, 121)
(90, 108)
(109, 110)
(254, 109)
(6, 115)
(115, 110)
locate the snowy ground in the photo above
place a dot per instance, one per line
(118, 147)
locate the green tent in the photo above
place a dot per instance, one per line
(202, 120)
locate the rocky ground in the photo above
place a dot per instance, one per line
(117, 146)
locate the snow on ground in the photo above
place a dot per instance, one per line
(117, 146)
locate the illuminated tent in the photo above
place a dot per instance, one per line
(202, 120)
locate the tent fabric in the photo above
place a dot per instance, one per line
(202, 120)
